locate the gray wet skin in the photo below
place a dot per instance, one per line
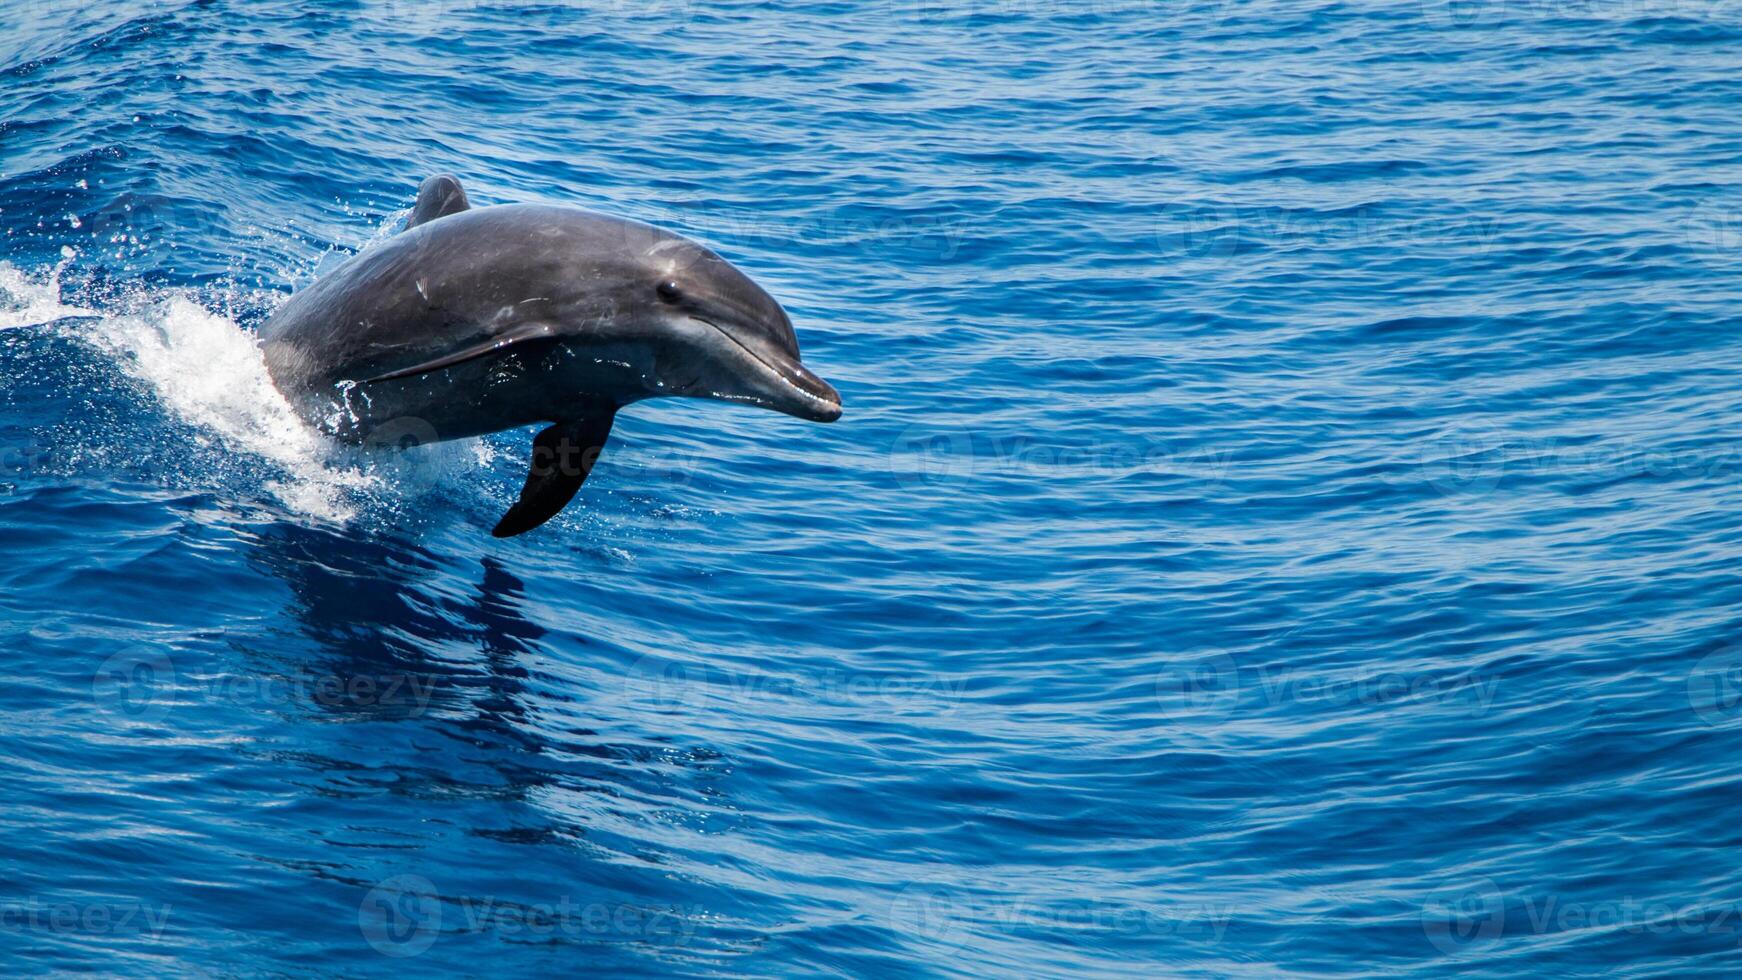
(476, 320)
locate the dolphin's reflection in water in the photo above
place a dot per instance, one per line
(431, 713)
(387, 634)
(502, 635)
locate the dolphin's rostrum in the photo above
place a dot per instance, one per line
(475, 320)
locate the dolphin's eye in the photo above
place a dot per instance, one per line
(670, 291)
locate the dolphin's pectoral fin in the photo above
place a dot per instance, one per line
(519, 337)
(439, 197)
(562, 456)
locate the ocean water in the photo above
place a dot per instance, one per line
(1286, 518)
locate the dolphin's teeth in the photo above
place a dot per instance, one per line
(747, 399)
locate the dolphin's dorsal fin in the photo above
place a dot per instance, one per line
(439, 197)
(562, 456)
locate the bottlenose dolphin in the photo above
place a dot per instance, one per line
(475, 320)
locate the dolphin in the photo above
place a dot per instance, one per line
(476, 320)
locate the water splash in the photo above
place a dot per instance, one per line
(207, 371)
(27, 300)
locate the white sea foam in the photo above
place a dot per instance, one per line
(27, 300)
(207, 371)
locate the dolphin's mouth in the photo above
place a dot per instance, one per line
(807, 396)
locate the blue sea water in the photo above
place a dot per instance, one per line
(1286, 518)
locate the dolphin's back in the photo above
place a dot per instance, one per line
(440, 285)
